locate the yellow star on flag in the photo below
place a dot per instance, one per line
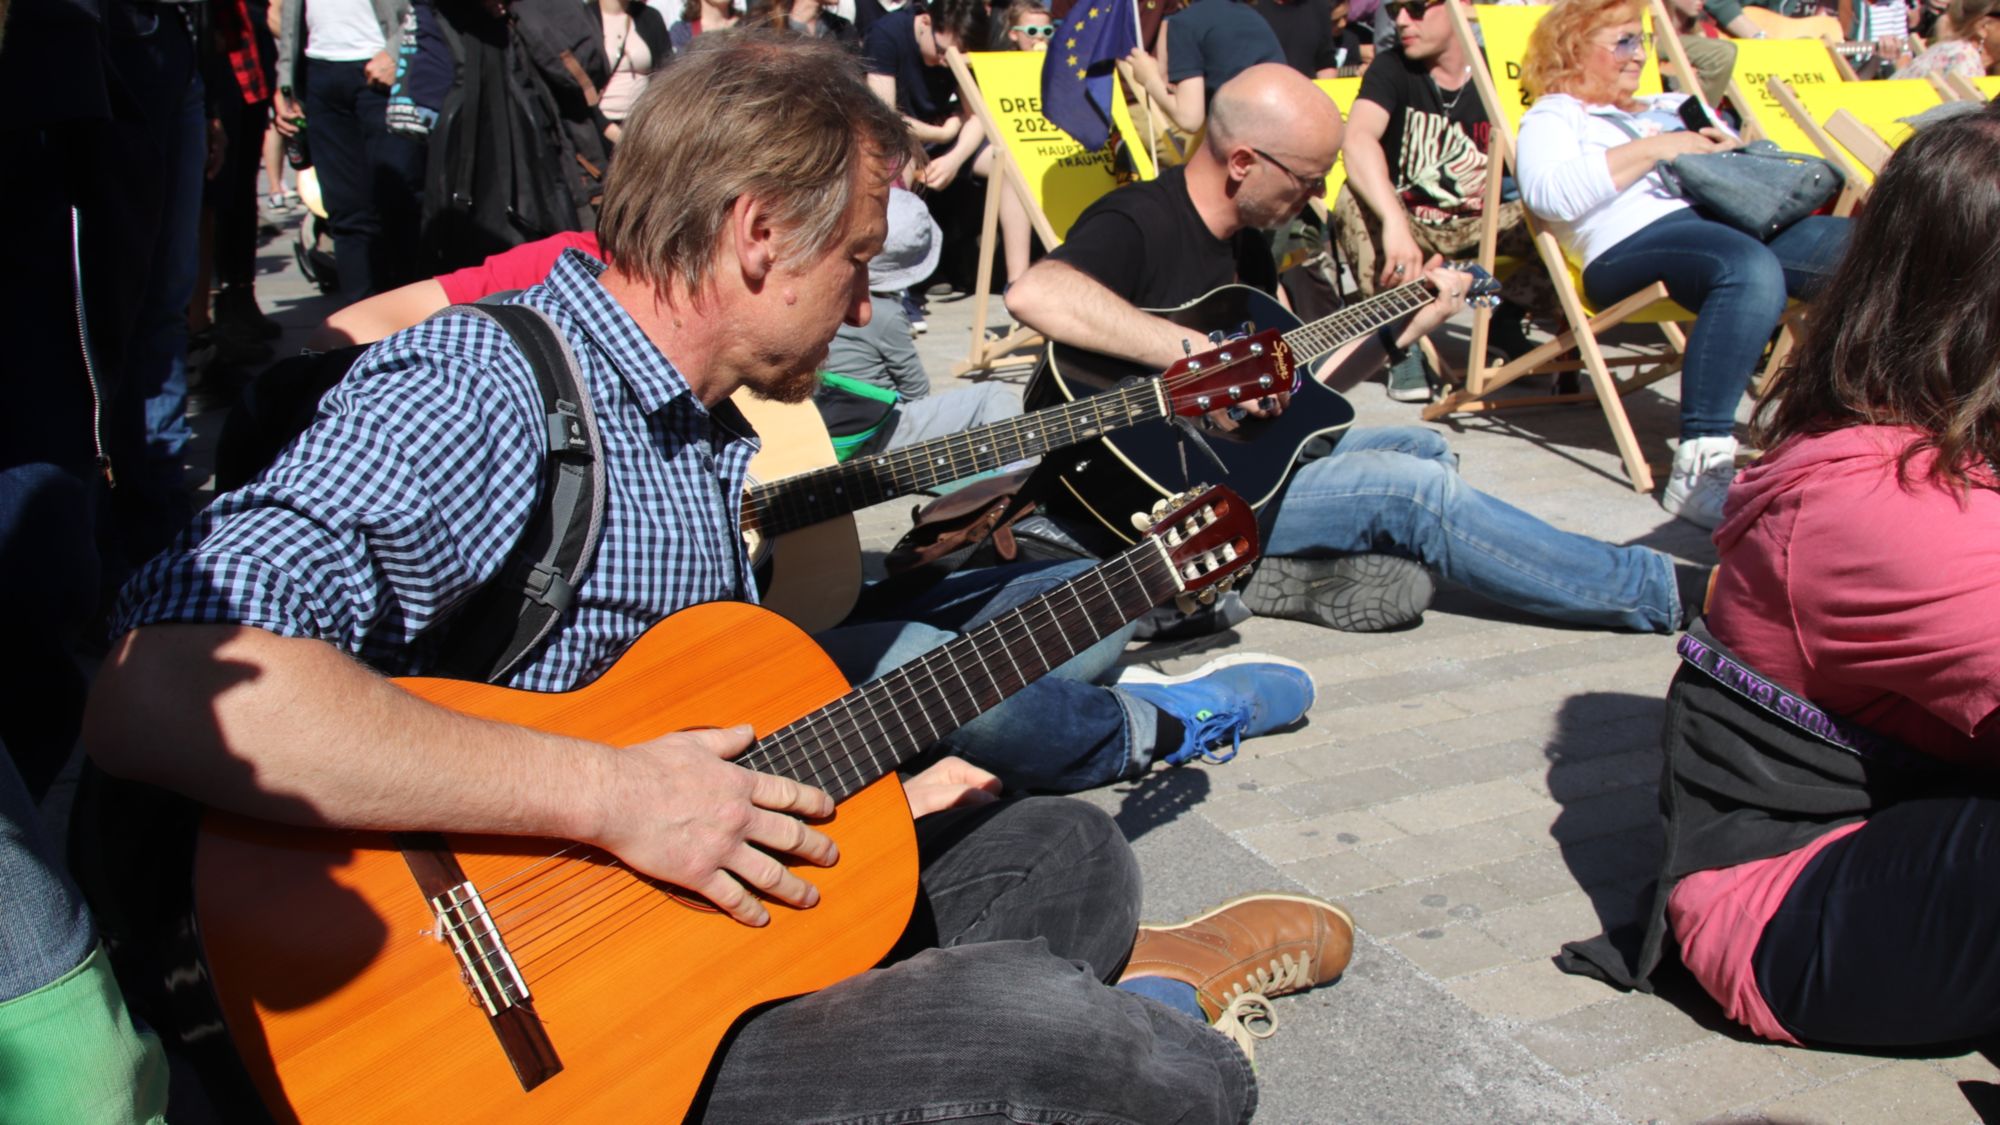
(1082, 74)
(1093, 13)
(1072, 60)
(1071, 44)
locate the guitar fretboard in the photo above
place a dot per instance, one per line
(857, 739)
(1309, 342)
(806, 499)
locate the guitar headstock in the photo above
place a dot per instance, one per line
(1210, 537)
(1484, 292)
(1235, 371)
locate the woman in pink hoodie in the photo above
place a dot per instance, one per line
(1857, 610)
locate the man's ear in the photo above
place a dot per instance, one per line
(1239, 162)
(753, 238)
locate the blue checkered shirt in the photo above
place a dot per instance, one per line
(420, 475)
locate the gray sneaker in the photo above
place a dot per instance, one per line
(1410, 378)
(1352, 593)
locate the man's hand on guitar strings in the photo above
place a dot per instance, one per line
(676, 808)
(950, 783)
(1451, 286)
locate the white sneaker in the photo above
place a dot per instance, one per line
(1703, 470)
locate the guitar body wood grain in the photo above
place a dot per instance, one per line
(346, 1009)
(811, 576)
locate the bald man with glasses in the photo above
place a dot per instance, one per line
(1354, 539)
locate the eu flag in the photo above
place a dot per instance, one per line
(1076, 74)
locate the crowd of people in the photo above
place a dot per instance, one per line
(732, 200)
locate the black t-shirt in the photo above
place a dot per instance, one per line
(1305, 32)
(890, 46)
(1435, 141)
(1147, 243)
(1217, 40)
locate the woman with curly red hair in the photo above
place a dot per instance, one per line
(1589, 151)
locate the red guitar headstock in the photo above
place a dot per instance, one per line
(1210, 536)
(1235, 371)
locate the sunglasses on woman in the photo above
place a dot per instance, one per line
(1038, 31)
(1415, 9)
(1631, 46)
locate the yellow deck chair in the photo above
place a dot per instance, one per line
(1496, 72)
(1877, 107)
(1801, 62)
(1343, 91)
(1973, 89)
(1050, 172)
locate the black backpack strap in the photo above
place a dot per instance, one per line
(522, 604)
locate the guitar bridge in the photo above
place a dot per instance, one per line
(484, 961)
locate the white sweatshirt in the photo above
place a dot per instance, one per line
(1566, 178)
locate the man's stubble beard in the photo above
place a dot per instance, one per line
(794, 388)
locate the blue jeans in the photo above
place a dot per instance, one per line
(1062, 732)
(372, 179)
(1396, 490)
(994, 1007)
(1735, 284)
(155, 60)
(44, 929)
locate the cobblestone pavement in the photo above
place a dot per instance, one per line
(1479, 789)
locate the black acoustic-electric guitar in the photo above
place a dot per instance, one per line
(1260, 343)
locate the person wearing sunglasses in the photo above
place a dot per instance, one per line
(1026, 26)
(1352, 541)
(1589, 147)
(1416, 181)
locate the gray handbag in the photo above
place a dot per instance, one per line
(1760, 189)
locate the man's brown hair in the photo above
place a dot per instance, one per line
(749, 112)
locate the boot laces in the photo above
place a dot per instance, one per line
(1248, 1018)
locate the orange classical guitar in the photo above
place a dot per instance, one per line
(418, 978)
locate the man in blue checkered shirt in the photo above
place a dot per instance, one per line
(749, 194)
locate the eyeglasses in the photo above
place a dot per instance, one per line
(1414, 9)
(1038, 31)
(1312, 187)
(1631, 46)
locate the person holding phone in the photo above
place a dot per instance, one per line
(1589, 151)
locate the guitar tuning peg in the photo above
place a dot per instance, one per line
(1187, 347)
(1184, 603)
(1141, 523)
(1246, 328)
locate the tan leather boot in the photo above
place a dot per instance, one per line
(1245, 951)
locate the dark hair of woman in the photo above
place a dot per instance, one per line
(1907, 332)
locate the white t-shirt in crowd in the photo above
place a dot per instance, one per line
(342, 31)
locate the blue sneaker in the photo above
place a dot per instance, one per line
(1225, 700)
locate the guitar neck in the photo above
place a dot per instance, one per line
(855, 740)
(1310, 341)
(803, 500)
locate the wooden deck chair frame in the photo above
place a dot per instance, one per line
(1970, 89)
(1021, 347)
(1581, 326)
(1848, 142)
